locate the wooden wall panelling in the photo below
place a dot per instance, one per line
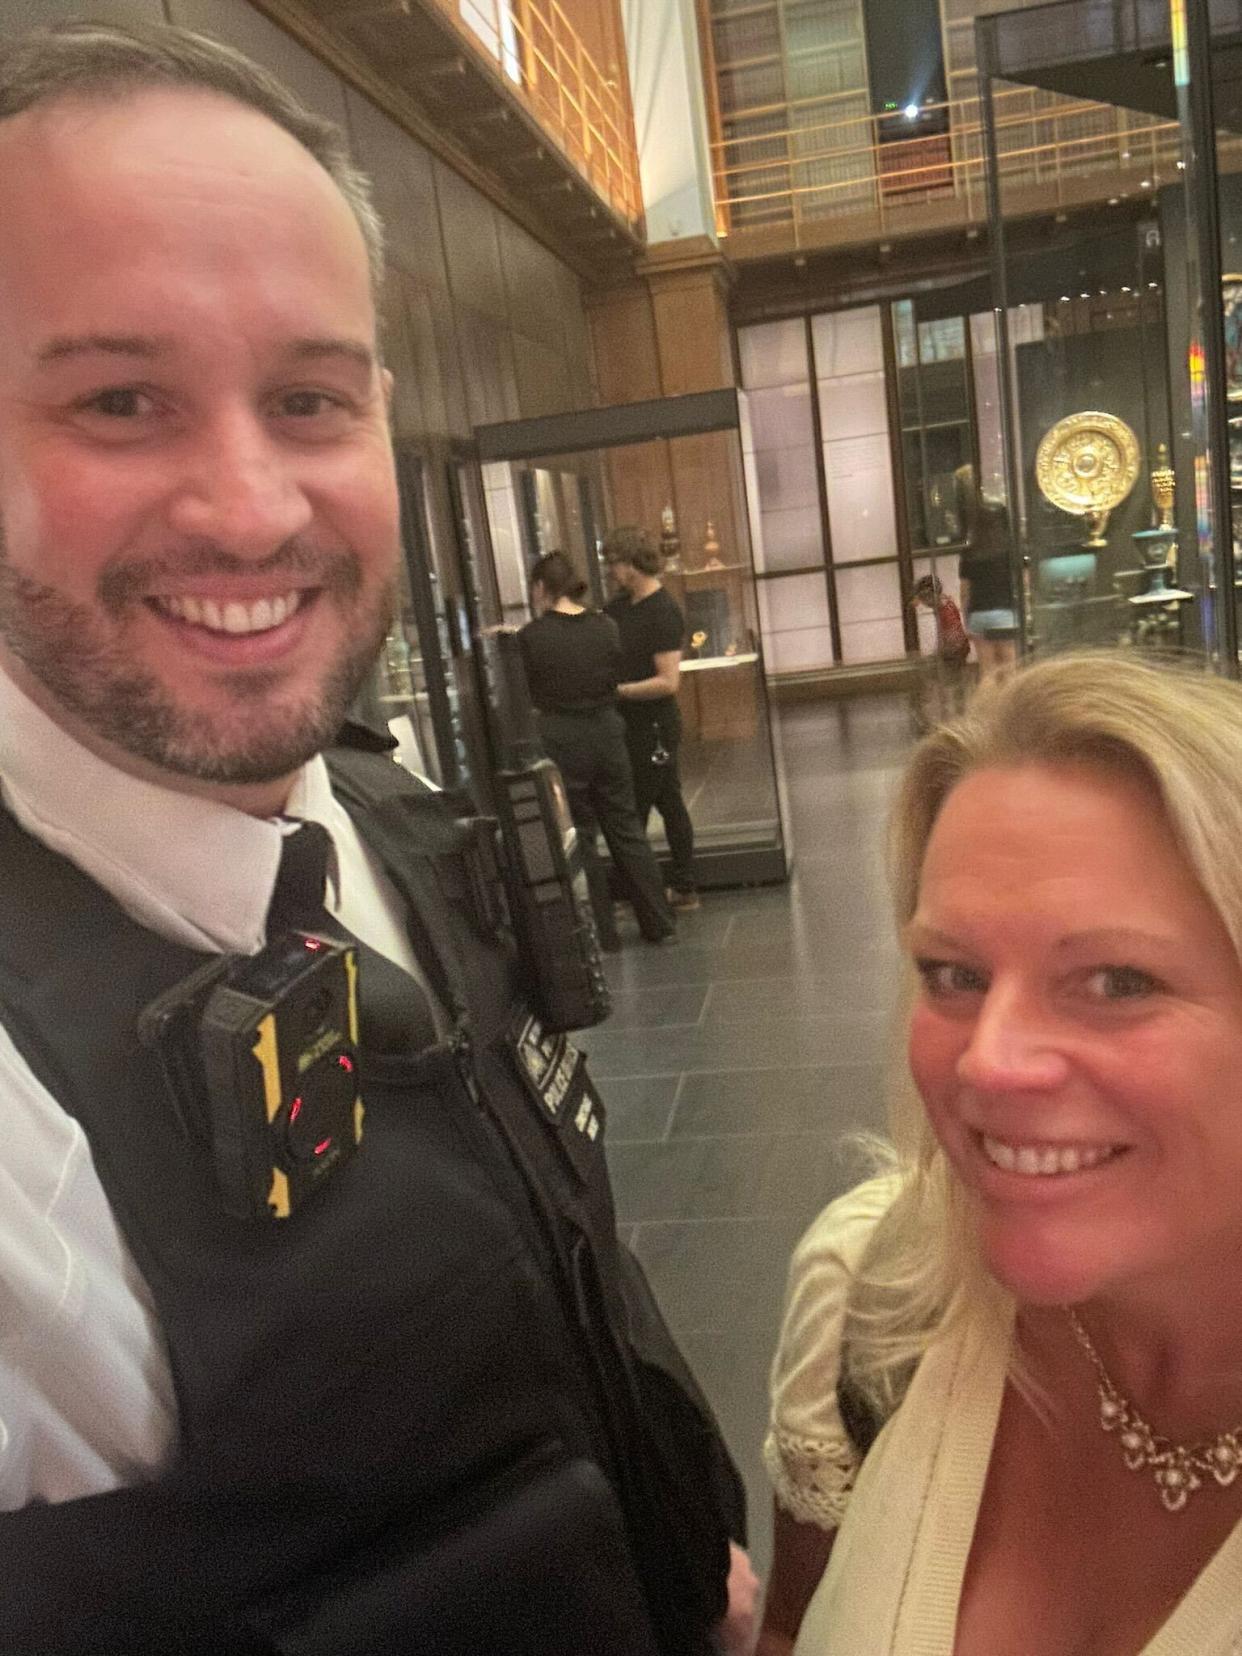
(449, 357)
(241, 26)
(639, 485)
(533, 293)
(542, 377)
(627, 358)
(692, 327)
(576, 335)
(17, 16)
(703, 490)
(406, 413)
(486, 349)
(471, 247)
(428, 368)
(403, 178)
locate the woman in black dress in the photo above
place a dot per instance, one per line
(573, 659)
(986, 581)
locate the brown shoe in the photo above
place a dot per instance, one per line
(682, 902)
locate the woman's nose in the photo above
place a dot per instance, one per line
(1013, 1044)
(241, 489)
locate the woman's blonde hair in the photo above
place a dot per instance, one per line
(1176, 729)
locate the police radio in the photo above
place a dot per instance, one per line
(545, 877)
(261, 1053)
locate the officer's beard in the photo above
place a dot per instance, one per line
(266, 734)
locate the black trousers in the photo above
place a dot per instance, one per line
(653, 730)
(590, 749)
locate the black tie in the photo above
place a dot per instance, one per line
(395, 1015)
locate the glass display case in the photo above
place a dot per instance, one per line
(414, 690)
(435, 685)
(933, 390)
(675, 469)
(1113, 223)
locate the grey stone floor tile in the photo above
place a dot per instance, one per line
(781, 948)
(640, 1109)
(791, 1176)
(767, 1043)
(825, 1101)
(707, 927)
(726, 1135)
(719, 1275)
(734, 1376)
(872, 991)
(651, 1008)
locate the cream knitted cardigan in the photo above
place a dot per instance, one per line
(894, 1582)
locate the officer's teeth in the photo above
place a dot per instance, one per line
(1040, 1160)
(260, 616)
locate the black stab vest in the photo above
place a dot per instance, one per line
(387, 1437)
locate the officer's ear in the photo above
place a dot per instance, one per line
(386, 384)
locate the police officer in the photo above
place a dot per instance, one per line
(410, 1413)
(572, 657)
(652, 631)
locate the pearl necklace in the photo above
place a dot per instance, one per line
(1176, 1468)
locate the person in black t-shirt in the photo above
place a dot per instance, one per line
(986, 582)
(652, 628)
(573, 659)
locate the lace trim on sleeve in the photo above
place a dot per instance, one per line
(811, 1477)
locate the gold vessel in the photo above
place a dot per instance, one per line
(1163, 488)
(1087, 464)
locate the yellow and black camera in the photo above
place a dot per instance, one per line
(261, 1057)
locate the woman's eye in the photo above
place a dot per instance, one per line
(942, 978)
(1120, 983)
(120, 402)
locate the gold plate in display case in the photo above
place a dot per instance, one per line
(1087, 464)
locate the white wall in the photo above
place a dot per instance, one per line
(670, 119)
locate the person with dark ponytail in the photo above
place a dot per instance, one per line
(573, 660)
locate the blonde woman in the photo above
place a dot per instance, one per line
(1039, 1308)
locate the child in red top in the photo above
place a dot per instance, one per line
(952, 641)
(942, 691)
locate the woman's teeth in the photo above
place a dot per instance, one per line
(260, 616)
(1040, 1160)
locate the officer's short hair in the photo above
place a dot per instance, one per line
(629, 544)
(106, 60)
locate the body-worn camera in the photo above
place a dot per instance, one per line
(261, 1056)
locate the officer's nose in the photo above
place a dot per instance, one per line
(1014, 1043)
(241, 489)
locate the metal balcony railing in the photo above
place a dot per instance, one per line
(1067, 150)
(583, 109)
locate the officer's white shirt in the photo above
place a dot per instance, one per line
(86, 1398)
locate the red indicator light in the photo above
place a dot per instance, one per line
(323, 1145)
(313, 944)
(347, 1064)
(295, 1110)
